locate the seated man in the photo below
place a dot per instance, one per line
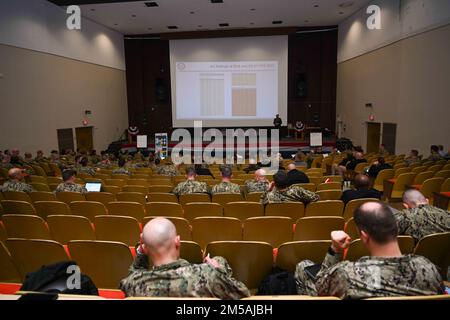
(226, 186)
(190, 185)
(349, 163)
(412, 158)
(377, 166)
(69, 184)
(84, 168)
(363, 190)
(419, 218)
(121, 170)
(295, 176)
(280, 191)
(386, 272)
(171, 276)
(259, 184)
(15, 182)
(434, 154)
(168, 169)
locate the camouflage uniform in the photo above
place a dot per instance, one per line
(226, 187)
(291, 194)
(370, 277)
(167, 170)
(434, 157)
(121, 170)
(87, 170)
(190, 186)
(14, 185)
(256, 186)
(422, 221)
(182, 279)
(71, 187)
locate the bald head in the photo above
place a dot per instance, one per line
(15, 174)
(260, 174)
(362, 181)
(291, 167)
(159, 235)
(413, 198)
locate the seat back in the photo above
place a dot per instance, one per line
(273, 230)
(330, 194)
(17, 195)
(8, 270)
(129, 209)
(326, 208)
(293, 210)
(88, 209)
(191, 251)
(114, 255)
(164, 188)
(243, 257)
(329, 186)
(68, 197)
(400, 184)
(202, 209)
(46, 208)
(224, 198)
(139, 189)
(291, 253)
(422, 176)
(42, 196)
(31, 255)
(442, 174)
(317, 228)
(25, 227)
(436, 248)
(243, 210)
(400, 171)
(132, 197)
(385, 174)
(164, 209)
(111, 189)
(161, 197)
(40, 187)
(181, 224)
(194, 197)
(116, 182)
(17, 207)
(254, 196)
(209, 229)
(351, 229)
(446, 186)
(117, 228)
(102, 197)
(353, 204)
(64, 228)
(431, 185)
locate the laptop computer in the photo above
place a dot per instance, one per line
(93, 186)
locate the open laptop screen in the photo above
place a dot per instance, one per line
(93, 186)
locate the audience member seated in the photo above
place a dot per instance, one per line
(40, 156)
(280, 191)
(168, 169)
(226, 186)
(295, 176)
(377, 166)
(259, 184)
(68, 184)
(121, 170)
(15, 182)
(386, 272)
(434, 154)
(190, 185)
(6, 162)
(300, 159)
(363, 190)
(419, 218)
(171, 276)
(348, 163)
(84, 168)
(252, 166)
(412, 158)
(382, 152)
(442, 152)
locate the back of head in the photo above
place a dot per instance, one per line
(226, 172)
(359, 155)
(121, 162)
(15, 174)
(190, 171)
(381, 160)
(434, 149)
(414, 152)
(84, 161)
(291, 167)
(361, 181)
(377, 221)
(68, 174)
(413, 198)
(161, 240)
(281, 180)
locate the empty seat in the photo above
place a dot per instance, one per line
(243, 210)
(38, 179)
(191, 251)
(46, 208)
(307, 186)
(351, 229)
(40, 186)
(422, 176)
(182, 225)
(273, 230)
(17, 207)
(326, 208)
(317, 228)
(132, 197)
(250, 261)
(400, 184)
(357, 249)
(139, 189)
(42, 196)
(54, 180)
(224, 198)
(88, 209)
(161, 197)
(17, 195)
(329, 194)
(208, 229)
(164, 209)
(329, 186)
(202, 209)
(25, 226)
(111, 189)
(8, 271)
(68, 197)
(293, 210)
(3, 235)
(194, 197)
(116, 182)
(103, 197)
(117, 228)
(353, 204)
(160, 188)
(254, 196)
(436, 248)
(385, 174)
(31, 255)
(115, 258)
(291, 253)
(138, 182)
(64, 228)
(430, 186)
(129, 209)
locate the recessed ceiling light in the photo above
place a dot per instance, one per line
(346, 4)
(341, 12)
(224, 24)
(252, 9)
(116, 24)
(200, 26)
(216, 1)
(172, 27)
(151, 4)
(277, 22)
(316, 6)
(133, 15)
(252, 23)
(192, 12)
(92, 9)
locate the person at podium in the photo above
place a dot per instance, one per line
(277, 122)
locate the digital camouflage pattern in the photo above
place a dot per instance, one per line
(182, 279)
(409, 275)
(291, 194)
(71, 187)
(226, 187)
(190, 186)
(256, 186)
(14, 185)
(121, 170)
(422, 221)
(167, 170)
(86, 170)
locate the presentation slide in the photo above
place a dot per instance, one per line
(236, 82)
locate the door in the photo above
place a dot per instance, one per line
(389, 136)
(85, 141)
(373, 136)
(65, 139)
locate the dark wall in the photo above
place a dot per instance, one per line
(312, 61)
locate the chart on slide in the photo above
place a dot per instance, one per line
(226, 90)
